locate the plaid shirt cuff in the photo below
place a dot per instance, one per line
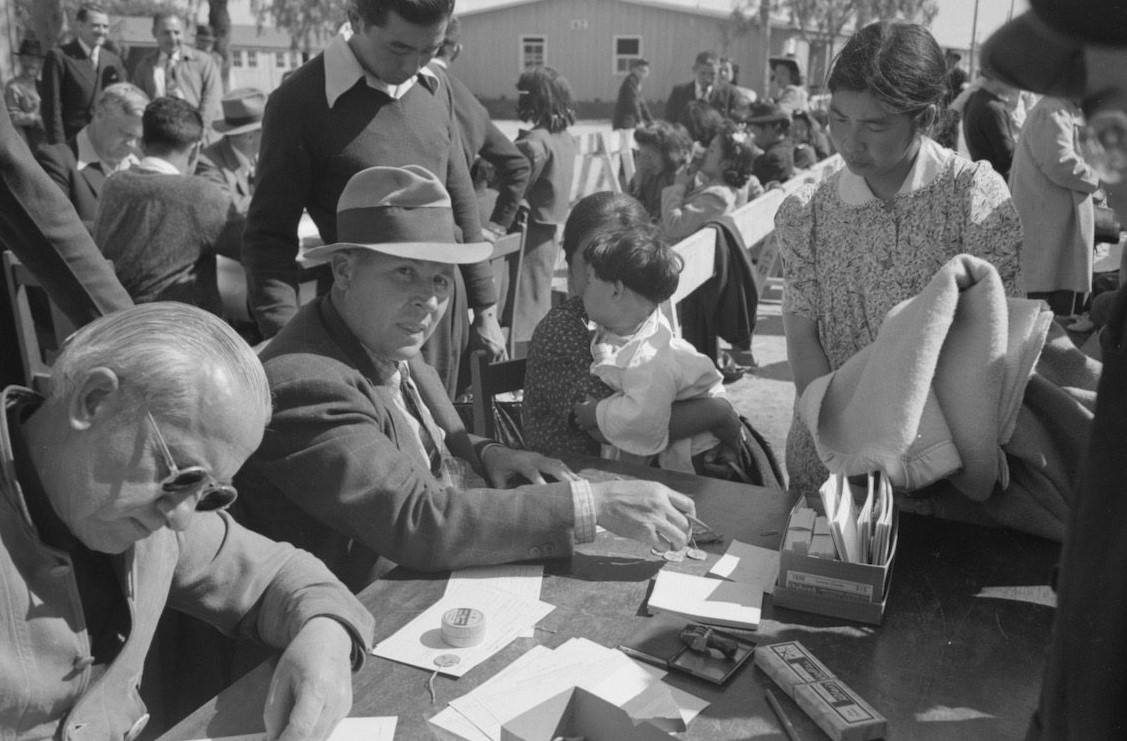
(583, 501)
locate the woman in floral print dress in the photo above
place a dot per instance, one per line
(874, 233)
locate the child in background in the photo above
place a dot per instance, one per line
(544, 100)
(722, 182)
(630, 272)
(558, 374)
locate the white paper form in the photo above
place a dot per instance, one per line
(749, 564)
(419, 642)
(451, 720)
(380, 728)
(579, 662)
(705, 600)
(521, 580)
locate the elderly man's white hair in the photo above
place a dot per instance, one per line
(157, 351)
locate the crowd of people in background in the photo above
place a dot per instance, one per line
(378, 146)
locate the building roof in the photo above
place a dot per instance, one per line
(711, 8)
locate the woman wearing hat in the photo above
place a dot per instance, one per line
(21, 94)
(786, 84)
(874, 233)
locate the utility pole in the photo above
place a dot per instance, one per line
(765, 31)
(974, 37)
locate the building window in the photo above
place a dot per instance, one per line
(533, 51)
(252, 58)
(236, 57)
(626, 50)
(280, 59)
(295, 59)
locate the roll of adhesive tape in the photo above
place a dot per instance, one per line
(463, 627)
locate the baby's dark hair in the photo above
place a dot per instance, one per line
(737, 155)
(638, 258)
(601, 211)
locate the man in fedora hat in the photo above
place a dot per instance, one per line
(1077, 49)
(366, 457)
(770, 123)
(74, 74)
(21, 94)
(230, 162)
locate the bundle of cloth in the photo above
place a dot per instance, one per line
(975, 405)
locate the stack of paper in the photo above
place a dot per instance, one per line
(703, 600)
(860, 534)
(542, 673)
(420, 642)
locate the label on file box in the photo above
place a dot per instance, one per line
(816, 584)
(802, 664)
(842, 702)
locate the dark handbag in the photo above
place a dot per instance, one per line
(1107, 226)
(509, 431)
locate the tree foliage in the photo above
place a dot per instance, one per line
(831, 18)
(305, 20)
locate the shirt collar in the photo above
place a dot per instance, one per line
(699, 90)
(90, 51)
(158, 165)
(854, 191)
(87, 155)
(342, 70)
(177, 55)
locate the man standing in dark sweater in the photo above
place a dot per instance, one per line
(367, 100)
(160, 225)
(987, 125)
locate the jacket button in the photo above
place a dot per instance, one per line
(136, 728)
(82, 662)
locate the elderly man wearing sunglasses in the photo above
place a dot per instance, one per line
(109, 497)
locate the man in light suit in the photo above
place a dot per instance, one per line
(230, 162)
(365, 455)
(107, 144)
(74, 74)
(178, 70)
(706, 86)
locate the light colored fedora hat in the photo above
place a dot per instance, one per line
(399, 211)
(242, 111)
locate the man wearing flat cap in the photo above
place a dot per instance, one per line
(366, 456)
(1077, 49)
(230, 162)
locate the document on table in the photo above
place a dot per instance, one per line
(420, 643)
(542, 673)
(521, 580)
(748, 564)
(380, 728)
(860, 534)
(705, 600)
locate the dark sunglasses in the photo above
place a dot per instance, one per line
(212, 494)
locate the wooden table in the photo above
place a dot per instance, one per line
(958, 655)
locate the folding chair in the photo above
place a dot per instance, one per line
(41, 328)
(487, 380)
(506, 260)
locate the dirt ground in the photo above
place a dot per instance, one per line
(765, 395)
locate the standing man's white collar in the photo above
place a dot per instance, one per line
(91, 51)
(343, 69)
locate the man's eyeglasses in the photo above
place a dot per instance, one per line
(1103, 141)
(212, 494)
